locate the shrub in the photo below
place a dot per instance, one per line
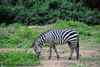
(36, 12)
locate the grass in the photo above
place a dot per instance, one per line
(66, 51)
(72, 64)
(66, 57)
(77, 64)
(97, 58)
(65, 64)
(20, 36)
(18, 59)
(17, 36)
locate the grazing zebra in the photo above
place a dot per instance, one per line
(53, 37)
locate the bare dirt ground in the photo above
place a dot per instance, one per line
(64, 53)
(87, 55)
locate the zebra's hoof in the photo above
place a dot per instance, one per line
(68, 58)
(76, 59)
(57, 58)
(48, 59)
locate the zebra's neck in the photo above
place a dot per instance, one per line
(41, 38)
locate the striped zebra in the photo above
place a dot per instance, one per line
(53, 37)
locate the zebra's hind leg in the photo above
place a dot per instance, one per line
(76, 49)
(77, 52)
(56, 51)
(72, 49)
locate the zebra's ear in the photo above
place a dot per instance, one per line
(33, 44)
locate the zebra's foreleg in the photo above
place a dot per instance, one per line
(50, 51)
(72, 49)
(56, 51)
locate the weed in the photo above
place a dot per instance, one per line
(18, 59)
(16, 36)
(97, 58)
(66, 51)
(45, 45)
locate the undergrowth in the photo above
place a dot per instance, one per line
(41, 12)
(17, 35)
(20, 36)
(14, 59)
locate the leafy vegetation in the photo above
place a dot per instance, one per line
(14, 59)
(91, 4)
(16, 35)
(20, 36)
(40, 12)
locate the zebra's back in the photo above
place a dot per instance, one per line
(61, 36)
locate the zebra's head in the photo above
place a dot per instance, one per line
(38, 42)
(37, 48)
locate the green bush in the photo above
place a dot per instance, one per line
(36, 12)
(18, 59)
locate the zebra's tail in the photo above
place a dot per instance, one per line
(78, 42)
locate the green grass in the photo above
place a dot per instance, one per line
(17, 36)
(97, 58)
(20, 36)
(66, 51)
(18, 59)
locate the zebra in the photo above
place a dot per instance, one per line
(53, 37)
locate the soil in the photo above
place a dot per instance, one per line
(62, 62)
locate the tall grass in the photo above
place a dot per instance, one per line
(14, 59)
(20, 36)
(17, 35)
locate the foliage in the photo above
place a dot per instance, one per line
(14, 59)
(91, 4)
(98, 35)
(16, 35)
(20, 36)
(40, 12)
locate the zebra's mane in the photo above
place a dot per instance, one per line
(41, 35)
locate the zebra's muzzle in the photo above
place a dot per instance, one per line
(37, 54)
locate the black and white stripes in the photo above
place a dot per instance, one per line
(62, 36)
